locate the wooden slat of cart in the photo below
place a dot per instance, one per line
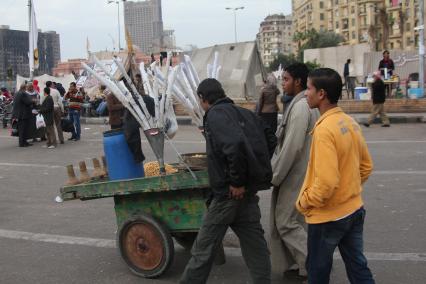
(94, 190)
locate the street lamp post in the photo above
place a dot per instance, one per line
(118, 17)
(235, 9)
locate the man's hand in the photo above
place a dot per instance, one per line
(236, 193)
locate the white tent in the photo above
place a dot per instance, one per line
(242, 72)
(65, 81)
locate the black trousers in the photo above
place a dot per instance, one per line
(270, 119)
(23, 128)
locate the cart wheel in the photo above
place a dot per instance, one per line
(146, 246)
(186, 240)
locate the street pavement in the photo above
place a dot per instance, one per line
(74, 242)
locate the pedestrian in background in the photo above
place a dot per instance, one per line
(289, 162)
(58, 110)
(349, 75)
(75, 100)
(47, 110)
(34, 133)
(330, 198)
(115, 111)
(22, 106)
(378, 97)
(267, 106)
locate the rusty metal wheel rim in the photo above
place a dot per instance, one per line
(143, 246)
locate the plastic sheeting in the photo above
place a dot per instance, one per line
(242, 71)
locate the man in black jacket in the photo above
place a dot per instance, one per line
(22, 106)
(378, 89)
(239, 147)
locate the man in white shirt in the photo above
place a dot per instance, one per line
(58, 109)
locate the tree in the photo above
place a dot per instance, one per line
(314, 39)
(284, 60)
(385, 21)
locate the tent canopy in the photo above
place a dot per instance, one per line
(242, 72)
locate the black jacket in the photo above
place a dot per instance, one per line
(46, 109)
(22, 106)
(379, 92)
(239, 147)
(131, 130)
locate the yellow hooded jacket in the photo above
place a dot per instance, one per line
(338, 166)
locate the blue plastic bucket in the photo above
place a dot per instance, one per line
(359, 91)
(120, 162)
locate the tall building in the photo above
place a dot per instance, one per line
(144, 22)
(275, 37)
(382, 23)
(14, 47)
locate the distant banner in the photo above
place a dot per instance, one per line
(33, 40)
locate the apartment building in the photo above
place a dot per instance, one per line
(275, 37)
(382, 23)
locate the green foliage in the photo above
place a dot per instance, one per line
(314, 39)
(312, 65)
(286, 60)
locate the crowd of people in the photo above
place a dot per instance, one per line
(38, 111)
(317, 164)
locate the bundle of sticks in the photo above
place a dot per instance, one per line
(179, 82)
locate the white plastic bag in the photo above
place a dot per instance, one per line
(170, 122)
(40, 121)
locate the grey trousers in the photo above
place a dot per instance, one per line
(243, 216)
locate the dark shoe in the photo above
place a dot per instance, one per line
(71, 139)
(294, 275)
(366, 124)
(62, 142)
(385, 125)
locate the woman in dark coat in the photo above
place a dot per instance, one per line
(268, 107)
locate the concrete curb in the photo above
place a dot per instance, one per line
(181, 120)
(360, 118)
(395, 119)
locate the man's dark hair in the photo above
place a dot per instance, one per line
(328, 80)
(386, 51)
(47, 90)
(298, 71)
(49, 84)
(348, 61)
(210, 90)
(73, 84)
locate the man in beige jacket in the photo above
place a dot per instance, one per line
(289, 163)
(58, 109)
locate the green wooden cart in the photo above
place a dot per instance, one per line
(150, 211)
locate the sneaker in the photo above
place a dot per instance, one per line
(385, 125)
(293, 274)
(51, 147)
(71, 139)
(366, 124)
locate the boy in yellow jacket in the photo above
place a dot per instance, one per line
(330, 198)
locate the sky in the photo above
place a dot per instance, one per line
(196, 22)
